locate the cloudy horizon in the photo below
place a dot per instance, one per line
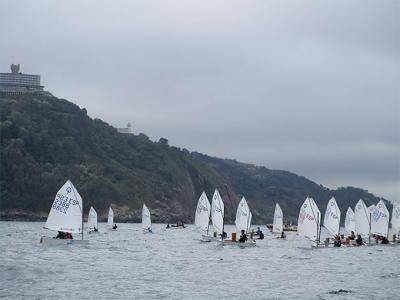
(311, 87)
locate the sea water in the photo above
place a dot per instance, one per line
(175, 264)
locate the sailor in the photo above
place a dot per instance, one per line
(261, 235)
(352, 236)
(60, 235)
(95, 229)
(149, 229)
(68, 236)
(115, 226)
(359, 240)
(338, 242)
(283, 235)
(258, 232)
(168, 226)
(243, 237)
(385, 240)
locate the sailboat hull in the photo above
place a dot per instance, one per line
(249, 243)
(54, 242)
(207, 238)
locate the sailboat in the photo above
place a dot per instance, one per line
(362, 219)
(309, 222)
(380, 220)
(110, 220)
(396, 219)
(217, 218)
(146, 220)
(242, 222)
(66, 216)
(350, 222)
(92, 221)
(203, 216)
(277, 226)
(332, 217)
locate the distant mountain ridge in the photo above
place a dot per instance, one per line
(46, 140)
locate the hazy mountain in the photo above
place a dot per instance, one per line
(46, 140)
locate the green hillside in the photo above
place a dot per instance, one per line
(46, 140)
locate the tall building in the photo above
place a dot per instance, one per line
(17, 83)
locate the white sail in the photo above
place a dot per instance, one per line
(277, 227)
(92, 219)
(396, 219)
(380, 219)
(361, 216)
(350, 222)
(146, 218)
(243, 216)
(110, 220)
(66, 212)
(332, 217)
(217, 212)
(202, 217)
(309, 220)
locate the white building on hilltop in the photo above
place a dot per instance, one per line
(15, 83)
(127, 129)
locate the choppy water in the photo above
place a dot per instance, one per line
(174, 264)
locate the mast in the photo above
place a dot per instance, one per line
(209, 220)
(82, 220)
(318, 229)
(369, 235)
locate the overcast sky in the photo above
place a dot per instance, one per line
(312, 87)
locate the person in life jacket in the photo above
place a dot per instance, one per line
(261, 235)
(337, 242)
(115, 226)
(149, 229)
(61, 235)
(283, 235)
(258, 231)
(243, 237)
(359, 240)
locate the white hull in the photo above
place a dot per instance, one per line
(207, 238)
(249, 243)
(53, 241)
(176, 227)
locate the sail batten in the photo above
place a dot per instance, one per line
(66, 212)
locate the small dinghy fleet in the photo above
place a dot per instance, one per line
(214, 213)
(364, 226)
(66, 218)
